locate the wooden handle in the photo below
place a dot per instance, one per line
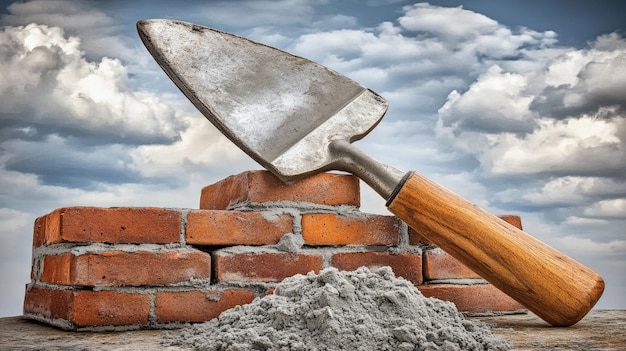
(555, 287)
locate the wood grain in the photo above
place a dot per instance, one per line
(557, 288)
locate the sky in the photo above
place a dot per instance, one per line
(518, 106)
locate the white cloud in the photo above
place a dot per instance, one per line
(607, 78)
(469, 31)
(496, 102)
(269, 36)
(39, 63)
(201, 147)
(615, 208)
(577, 146)
(585, 81)
(587, 142)
(567, 69)
(96, 94)
(583, 221)
(573, 191)
(31, 56)
(560, 191)
(97, 29)
(451, 23)
(345, 43)
(587, 247)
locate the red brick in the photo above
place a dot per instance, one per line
(137, 225)
(264, 266)
(513, 220)
(332, 229)
(405, 265)
(440, 265)
(262, 186)
(416, 238)
(58, 269)
(47, 229)
(480, 298)
(88, 308)
(48, 303)
(214, 227)
(118, 268)
(103, 308)
(197, 306)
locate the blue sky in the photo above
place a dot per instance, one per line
(517, 106)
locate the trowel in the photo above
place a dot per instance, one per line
(297, 118)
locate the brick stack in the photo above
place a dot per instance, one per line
(148, 268)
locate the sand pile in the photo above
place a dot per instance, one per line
(360, 310)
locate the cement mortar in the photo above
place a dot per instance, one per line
(360, 310)
(290, 243)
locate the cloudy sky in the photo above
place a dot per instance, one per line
(519, 106)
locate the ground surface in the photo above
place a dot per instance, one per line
(600, 330)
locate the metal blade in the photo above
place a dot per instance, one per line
(281, 109)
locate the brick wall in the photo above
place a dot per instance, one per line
(147, 268)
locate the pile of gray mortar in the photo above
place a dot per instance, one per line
(360, 310)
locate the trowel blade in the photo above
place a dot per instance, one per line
(281, 109)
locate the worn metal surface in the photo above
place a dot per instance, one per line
(599, 330)
(281, 109)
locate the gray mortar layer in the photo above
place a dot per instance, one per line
(464, 281)
(304, 207)
(82, 249)
(290, 242)
(36, 267)
(435, 250)
(183, 225)
(258, 288)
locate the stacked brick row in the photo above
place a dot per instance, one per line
(149, 268)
